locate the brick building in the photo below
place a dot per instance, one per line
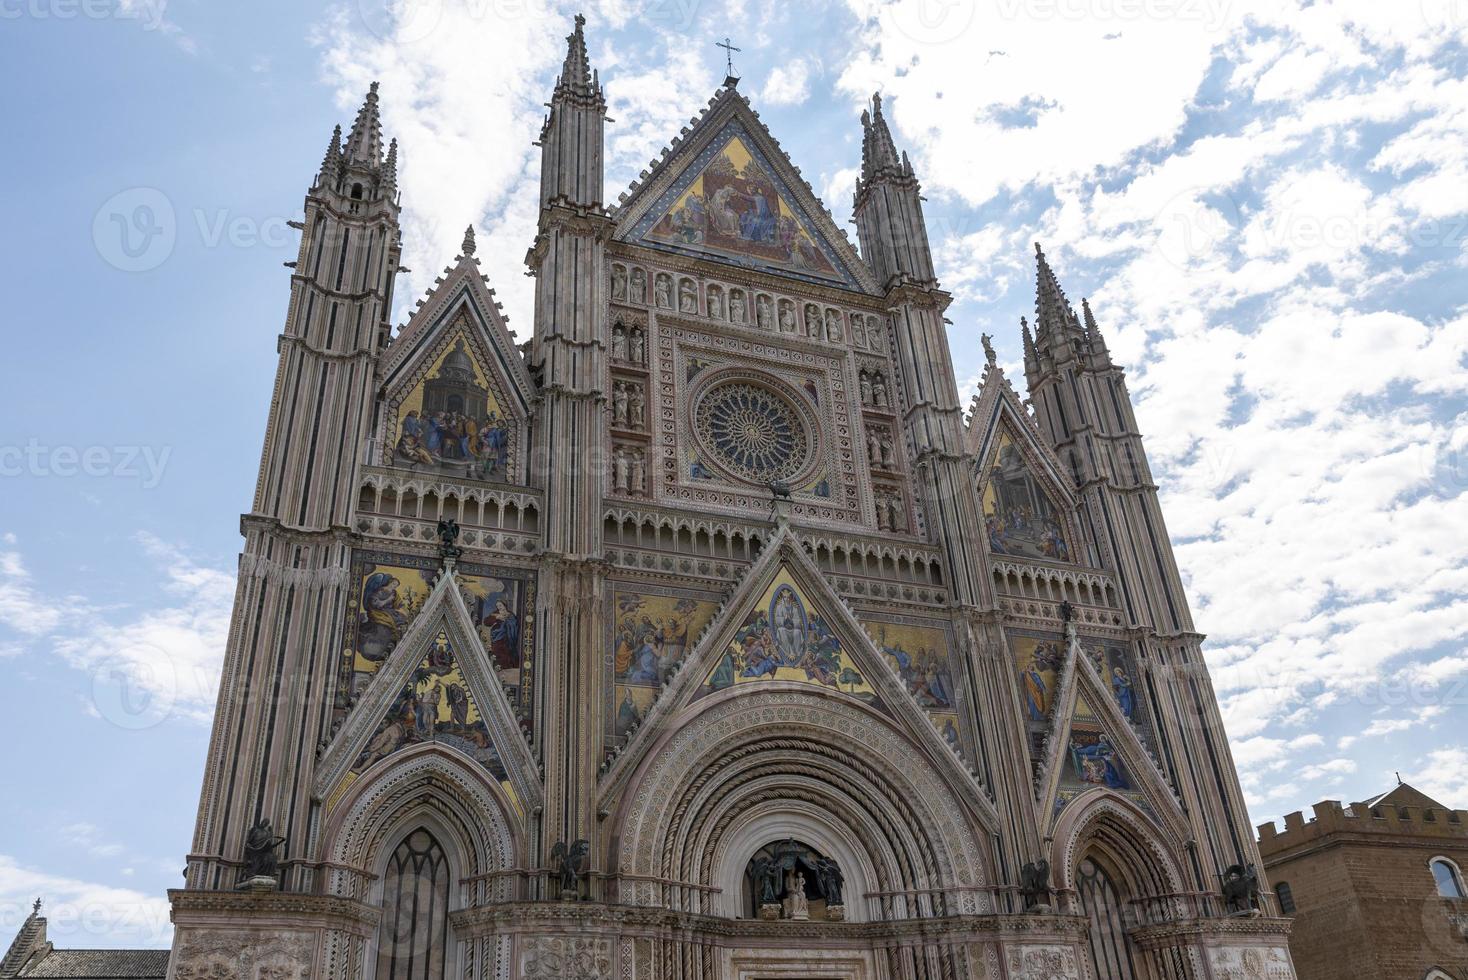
(1376, 888)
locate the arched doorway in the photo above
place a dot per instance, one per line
(1105, 907)
(413, 939)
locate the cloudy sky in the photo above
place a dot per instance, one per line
(1267, 204)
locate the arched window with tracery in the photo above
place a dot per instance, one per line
(1111, 951)
(413, 940)
(1449, 880)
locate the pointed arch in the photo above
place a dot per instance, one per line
(1136, 853)
(413, 939)
(470, 816)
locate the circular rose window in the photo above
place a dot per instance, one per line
(752, 432)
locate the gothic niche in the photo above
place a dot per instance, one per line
(790, 880)
(629, 343)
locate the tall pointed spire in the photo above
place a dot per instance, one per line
(878, 151)
(1094, 341)
(331, 164)
(1052, 310)
(390, 171)
(577, 79)
(364, 144)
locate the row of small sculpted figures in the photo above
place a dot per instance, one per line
(769, 313)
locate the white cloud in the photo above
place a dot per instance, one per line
(466, 122)
(82, 913)
(147, 662)
(787, 84)
(21, 607)
(1443, 775)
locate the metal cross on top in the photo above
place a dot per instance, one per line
(729, 50)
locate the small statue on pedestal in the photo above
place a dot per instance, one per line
(261, 865)
(797, 906)
(1241, 890)
(1034, 885)
(569, 863)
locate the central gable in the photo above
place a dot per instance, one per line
(730, 204)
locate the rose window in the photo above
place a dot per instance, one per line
(752, 432)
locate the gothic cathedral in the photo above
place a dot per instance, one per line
(706, 634)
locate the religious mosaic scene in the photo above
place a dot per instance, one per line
(700, 629)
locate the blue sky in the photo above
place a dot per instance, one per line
(1267, 205)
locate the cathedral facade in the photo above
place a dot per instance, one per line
(707, 634)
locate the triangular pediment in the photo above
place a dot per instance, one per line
(728, 193)
(456, 394)
(439, 684)
(1027, 503)
(1081, 737)
(785, 627)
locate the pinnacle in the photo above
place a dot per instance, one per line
(467, 249)
(878, 151)
(576, 76)
(390, 169)
(364, 144)
(1052, 309)
(331, 163)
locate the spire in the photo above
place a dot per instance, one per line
(1094, 340)
(364, 144)
(577, 79)
(1052, 309)
(467, 249)
(390, 171)
(331, 164)
(878, 152)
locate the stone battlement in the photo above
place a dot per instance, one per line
(1358, 818)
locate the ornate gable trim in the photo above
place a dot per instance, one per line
(997, 411)
(784, 553)
(463, 289)
(729, 117)
(465, 319)
(443, 611)
(1081, 682)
